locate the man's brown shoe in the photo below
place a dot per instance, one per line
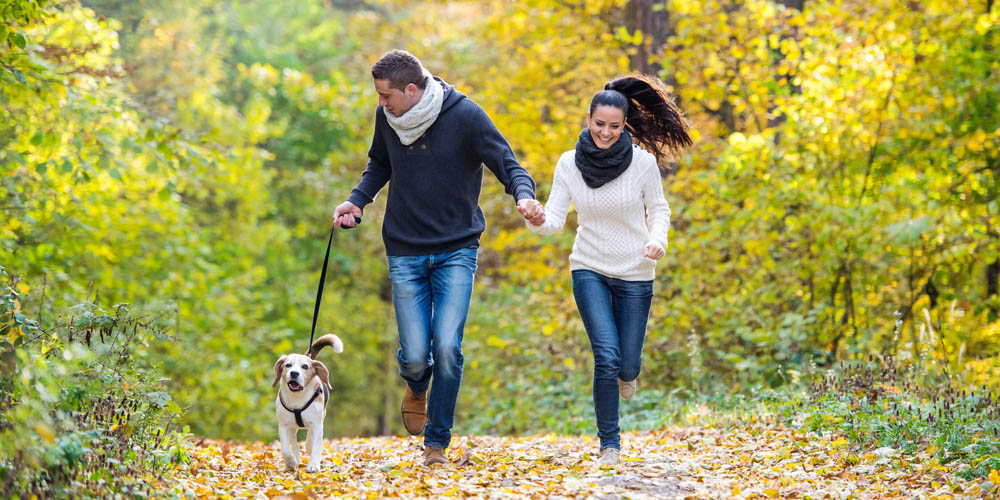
(414, 411)
(434, 455)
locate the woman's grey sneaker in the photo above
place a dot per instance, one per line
(609, 456)
(627, 389)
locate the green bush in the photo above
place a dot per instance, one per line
(562, 405)
(81, 411)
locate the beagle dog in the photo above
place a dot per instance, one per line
(302, 400)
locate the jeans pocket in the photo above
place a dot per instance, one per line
(466, 257)
(472, 254)
(635, 289)
(406, 268)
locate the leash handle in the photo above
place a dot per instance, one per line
(357, 220)
(322, 280)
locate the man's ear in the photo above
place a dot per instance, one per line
(279, 368)
(321, 372)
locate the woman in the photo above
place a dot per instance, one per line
(623, 222)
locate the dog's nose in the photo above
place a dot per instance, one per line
(293, 374)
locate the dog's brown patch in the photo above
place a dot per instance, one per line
(279, 368)
(320, 369)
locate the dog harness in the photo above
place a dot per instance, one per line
(298, 413)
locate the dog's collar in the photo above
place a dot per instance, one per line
(298, 413)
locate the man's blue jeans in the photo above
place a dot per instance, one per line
(431, 295)
(614, 312)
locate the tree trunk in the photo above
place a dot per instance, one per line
(793, 4)
(992, 275)
(391, 397)
(652, 18)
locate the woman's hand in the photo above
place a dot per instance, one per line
(539, 219)
(532, 210)
(654, 251)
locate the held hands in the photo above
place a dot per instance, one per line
(345, 213)
(532, 211)
(654, 251)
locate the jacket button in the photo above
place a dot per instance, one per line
(411, 148)
(423, 146)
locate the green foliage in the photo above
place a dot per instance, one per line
(561, 406)
(185, 157)
(83, 410)
(154, 187)
(844, 175)
(14, 56)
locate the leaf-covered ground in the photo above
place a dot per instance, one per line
(755, 461)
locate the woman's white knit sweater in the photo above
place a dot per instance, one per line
(615, 221)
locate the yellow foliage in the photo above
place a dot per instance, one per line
(494, 341)
(45, 432)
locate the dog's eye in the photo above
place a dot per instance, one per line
(305, 367)
(288, 365)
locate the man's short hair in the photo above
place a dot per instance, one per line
(401, 68)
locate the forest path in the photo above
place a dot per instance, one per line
(755, 461)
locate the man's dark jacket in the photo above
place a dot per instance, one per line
(434, 183)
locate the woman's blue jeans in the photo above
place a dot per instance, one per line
(431, 295)
(614, 312)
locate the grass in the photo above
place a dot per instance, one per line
(876, 405)
(879, 404)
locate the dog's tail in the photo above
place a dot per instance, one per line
(324, 341)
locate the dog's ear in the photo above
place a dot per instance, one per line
(279, 368)
(321, 371)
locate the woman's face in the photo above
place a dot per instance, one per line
(606, 124)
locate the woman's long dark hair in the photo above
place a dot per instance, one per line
(651, 116)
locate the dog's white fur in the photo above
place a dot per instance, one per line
(299, 370)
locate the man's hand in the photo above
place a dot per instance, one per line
(532, 210)
(654, 251)
(345, 213)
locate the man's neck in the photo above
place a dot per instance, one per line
(419, 95)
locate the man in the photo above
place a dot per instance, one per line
(430, 144)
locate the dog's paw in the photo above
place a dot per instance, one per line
(312, 468)
(292, 464)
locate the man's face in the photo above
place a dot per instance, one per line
(397, 101)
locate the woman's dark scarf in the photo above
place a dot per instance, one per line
(600, 166)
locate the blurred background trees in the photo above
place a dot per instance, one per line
(185, 158)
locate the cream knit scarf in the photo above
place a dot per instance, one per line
(412, 124)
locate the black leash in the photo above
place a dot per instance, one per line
(322, 280)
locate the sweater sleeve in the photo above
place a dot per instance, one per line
(558, 204)
(657, 208)
(494, 151)
(377, 174)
